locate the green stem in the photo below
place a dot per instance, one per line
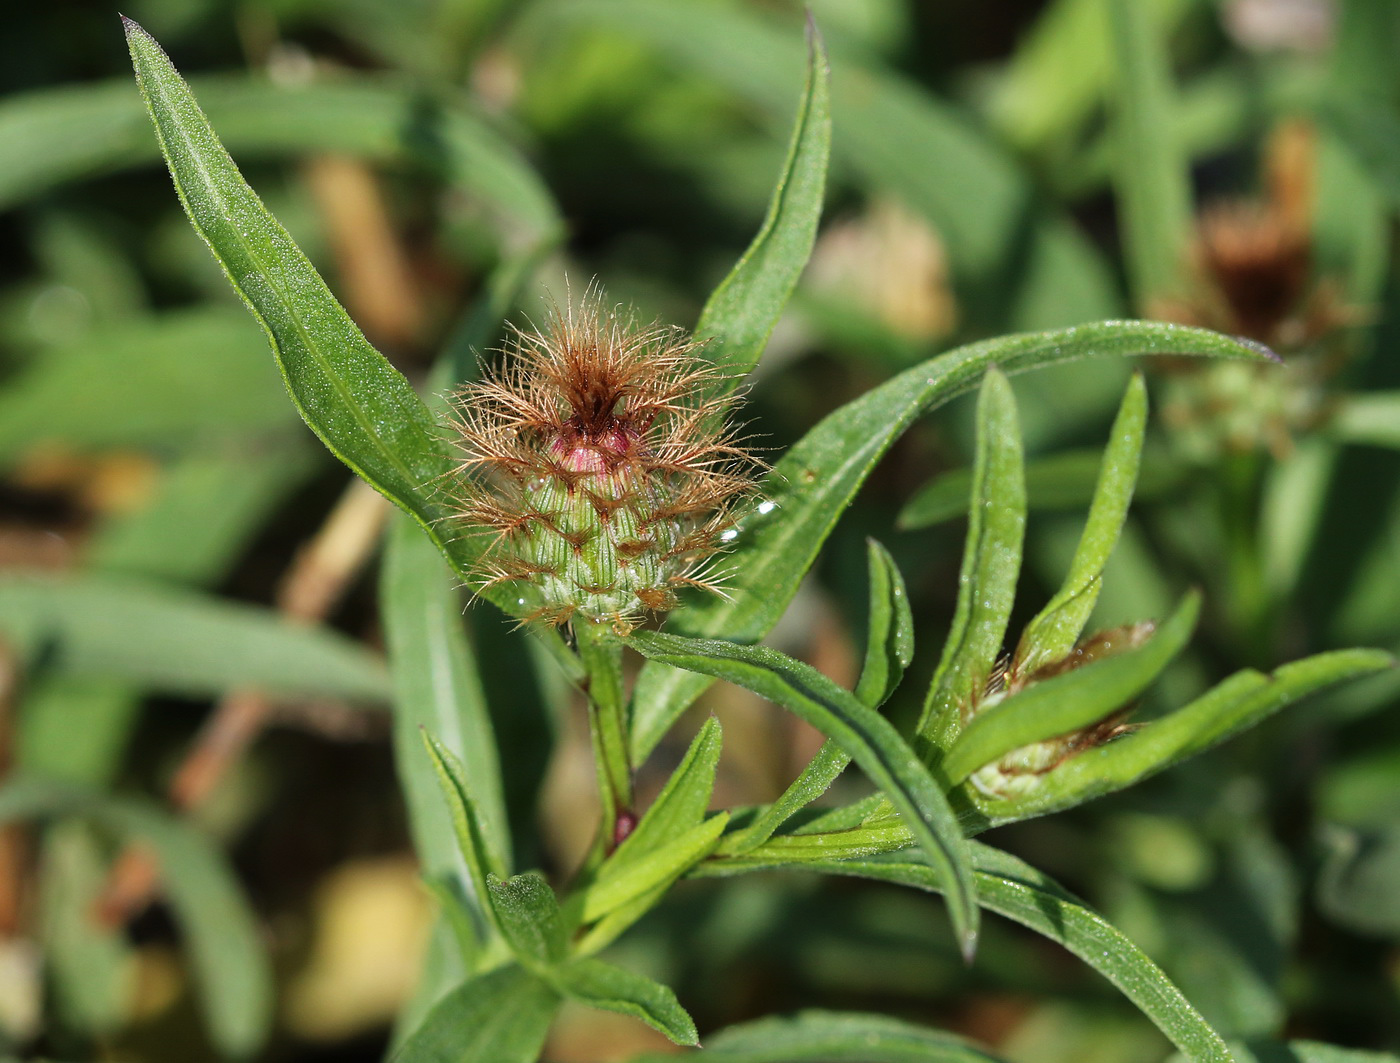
(601, 655)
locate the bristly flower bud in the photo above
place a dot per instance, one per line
(600, 460)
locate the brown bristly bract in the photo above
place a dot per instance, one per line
(601, 466)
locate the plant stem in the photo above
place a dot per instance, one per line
(601, 655)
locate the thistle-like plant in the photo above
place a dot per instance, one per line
(601, 466)
(585, 454)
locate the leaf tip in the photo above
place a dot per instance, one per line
(968, 945)
(1262, 350)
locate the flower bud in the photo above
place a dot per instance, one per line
(600, 461)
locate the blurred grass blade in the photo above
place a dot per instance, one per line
(817, 478)
(1070, 701)
(1018, 891)
(198, 520)
(1060, 74)
(91, 965)
(741, 313)
(528, 914)
(1237, 703)
(1060, 481)
(437, 688)
(991, 564)
(51, 136)
(870, 740)
(1370, 419)
(897, 138)
(601, 985)
(232, 973)
(1151, 173)
(1056, 628)
(359, 405)
(481, 861)
(182, 380)
(822, 1036)
(177, 641)
(889, 649)
(502, 1016)
(1264, 1050)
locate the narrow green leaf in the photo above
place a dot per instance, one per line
(889, 648)
(232, 973)
(682, 802)
(161, 638)
(872, 742)
(1056, 628)
(742, 312)
(1152, 177)
(830, 1036)
(502, 1016)
(601, 985)
(1012, 888)
(359, 405)
(991, 564)
(466, 823)
(1070, 701)
(889, 639)
(528, 914)
(437, 689)
(1237, 703)
(650, 871)
(676, 817)
(816, 480)
(1018, 891)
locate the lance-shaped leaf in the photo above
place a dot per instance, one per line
(502, 1016)
(742, 312)
(529, 917)
(991, 564)
(817, 478)
(601, 985)
(823, 1036)
(1068, 702)
(483, 862)
(674, 823)
(437, 688)
(1018, 891)
(889, 647)
(1057, 627)
(872, 742)
(359, 405)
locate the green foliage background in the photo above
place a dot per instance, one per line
(994, 169)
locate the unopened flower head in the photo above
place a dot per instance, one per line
(600, 460)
